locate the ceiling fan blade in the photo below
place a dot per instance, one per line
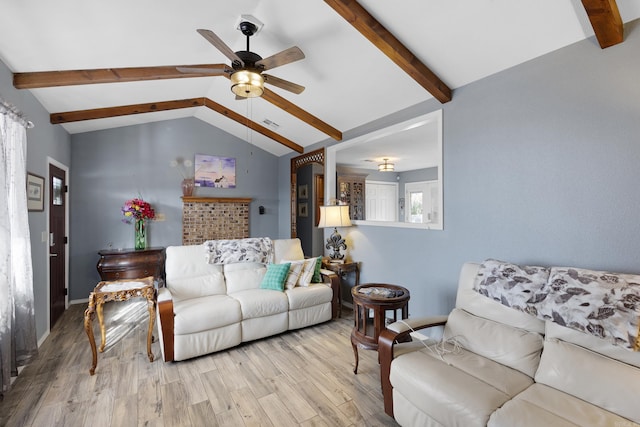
(283, 84)
(285, 57)
(210, 71)
(220, 45)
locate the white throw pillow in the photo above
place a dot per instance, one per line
(308, 267)
(294, 273)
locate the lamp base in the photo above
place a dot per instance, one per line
(335, 242)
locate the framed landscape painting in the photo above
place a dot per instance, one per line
(35, 192)
(215, 172)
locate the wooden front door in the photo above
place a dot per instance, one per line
(57, 242)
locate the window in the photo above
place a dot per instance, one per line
(422, 199)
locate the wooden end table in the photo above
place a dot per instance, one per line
(341, 269)
(373, 303)
(118, 290)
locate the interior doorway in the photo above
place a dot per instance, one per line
(57, 241)
(316, 156)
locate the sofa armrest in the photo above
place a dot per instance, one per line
(394, 333)
(165, 322)
(332, 280)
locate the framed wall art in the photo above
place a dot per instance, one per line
(35, 192)
(215, 172)
(303, 191)
(303, 210)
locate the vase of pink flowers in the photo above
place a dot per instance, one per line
(138, 211)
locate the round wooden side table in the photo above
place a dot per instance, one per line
(373, 305)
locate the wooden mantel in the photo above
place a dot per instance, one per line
(196, 199)
(213, 218)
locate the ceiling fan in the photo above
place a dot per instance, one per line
(246, 73)
(246, 70)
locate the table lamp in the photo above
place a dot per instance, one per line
(335, 216)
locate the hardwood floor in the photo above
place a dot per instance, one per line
(299, 378)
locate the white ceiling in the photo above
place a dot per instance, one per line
(348, 81)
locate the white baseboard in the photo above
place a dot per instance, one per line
(44, 337)
(79, 301)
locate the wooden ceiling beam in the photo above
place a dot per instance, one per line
(125, 110)
(301, 114)
(606, 21)
(40, 79)
(382, 38)
(252, 125)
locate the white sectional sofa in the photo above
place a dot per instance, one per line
(207, 307)
(501, 366)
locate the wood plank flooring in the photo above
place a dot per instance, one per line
(299, 378)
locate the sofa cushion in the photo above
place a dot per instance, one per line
(261, 302)
(516, 348)
(590, 376)
(309, 296)
(275, 276)
(204, 313)
(598, 345)
(458, 388)
(186, 278)
(243, 275)
(287, 249)
(540, 405)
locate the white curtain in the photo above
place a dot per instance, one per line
(18, 342)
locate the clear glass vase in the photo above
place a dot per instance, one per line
(140, 241)
(187, 187)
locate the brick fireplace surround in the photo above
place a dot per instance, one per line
(211, 218)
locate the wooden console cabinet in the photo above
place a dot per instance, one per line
(117, 264)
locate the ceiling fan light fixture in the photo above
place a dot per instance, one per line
(247, 84)
(385, 166)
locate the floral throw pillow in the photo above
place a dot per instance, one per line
(255, 249)
(518, 287)
(599, 303)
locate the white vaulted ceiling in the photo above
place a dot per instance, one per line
(349, 81)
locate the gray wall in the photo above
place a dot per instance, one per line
(112, 166)
(540, 166)
(43, 141)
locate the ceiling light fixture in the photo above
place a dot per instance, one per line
(247, 84)
(386, 166)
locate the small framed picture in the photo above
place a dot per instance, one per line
(303, 191)
(35, 192)
(303, 210)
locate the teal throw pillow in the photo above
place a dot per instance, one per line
(275, 276)
(317, 278)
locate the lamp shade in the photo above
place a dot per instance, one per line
(247, 84)
(334, 216)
